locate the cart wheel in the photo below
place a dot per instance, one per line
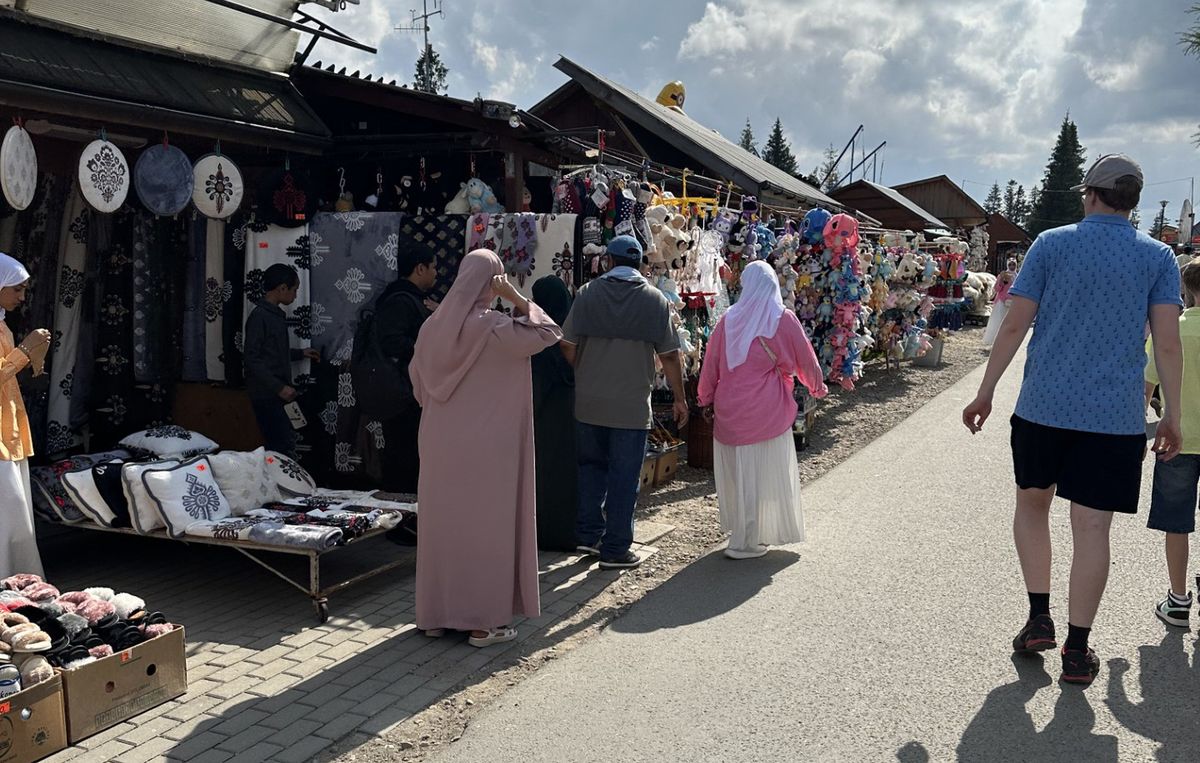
(322, 610)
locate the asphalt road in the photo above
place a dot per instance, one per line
(885, 636)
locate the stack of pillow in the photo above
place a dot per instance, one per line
(42, 628)
(179, 479)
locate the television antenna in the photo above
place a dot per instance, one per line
(420, 23)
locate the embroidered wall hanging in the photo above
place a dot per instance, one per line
(217, 190)
(103, 176)
(18, 168)
(163, 179)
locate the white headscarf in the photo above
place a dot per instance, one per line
(756, 313)
(12, 273)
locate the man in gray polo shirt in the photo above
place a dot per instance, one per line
(617, 326)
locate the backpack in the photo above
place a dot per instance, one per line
(382, 390)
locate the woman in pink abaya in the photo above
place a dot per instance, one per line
(477, 555)
(755, 352)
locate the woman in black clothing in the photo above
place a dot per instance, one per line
(554, 428)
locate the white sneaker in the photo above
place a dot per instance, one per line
(747, 553)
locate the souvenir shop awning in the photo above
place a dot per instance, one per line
(694, 139)
(45, 68)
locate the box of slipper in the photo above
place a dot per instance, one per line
(115, 657)
(33, 724)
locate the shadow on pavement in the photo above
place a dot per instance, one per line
(1004, 731)
(703, 590)
(1169, 712)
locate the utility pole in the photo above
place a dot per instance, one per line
(420, 23)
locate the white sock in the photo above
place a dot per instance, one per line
(1184, 601)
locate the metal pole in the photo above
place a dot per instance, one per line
(825, 179)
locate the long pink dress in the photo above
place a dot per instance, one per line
(477, 555)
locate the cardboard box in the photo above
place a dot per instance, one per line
(664, 470)
(117, 688)
(32, 723)
(647, 477)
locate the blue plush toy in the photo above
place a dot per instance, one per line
(813, 227)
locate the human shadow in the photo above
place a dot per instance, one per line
(1003, 730)
(709, 587)
(1170, 690)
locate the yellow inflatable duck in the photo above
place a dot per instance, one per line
(673, 95)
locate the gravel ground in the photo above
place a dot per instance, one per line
(845, 423)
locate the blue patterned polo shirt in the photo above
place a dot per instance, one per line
(1094, 283)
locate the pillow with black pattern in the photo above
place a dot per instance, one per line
(49, 495)
(168, 442)
(290, 476)
(107, 478)
(186, 494)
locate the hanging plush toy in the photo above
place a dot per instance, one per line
(480, 197)
(459, 204)
(841, 233)
(812, 229)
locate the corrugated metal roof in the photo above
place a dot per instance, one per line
(686, 134)
(43, 57)
(906, 202)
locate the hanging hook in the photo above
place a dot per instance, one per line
(164, 138)
(342, 179)
(104, 134)
(287, 163)
(218, 147)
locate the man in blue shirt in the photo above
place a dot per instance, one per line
(1079, 426)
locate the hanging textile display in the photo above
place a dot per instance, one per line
(195, 368)
(156, 246)
(233, 317)
(217, 188)
(218, 292)
(353, 261)
(554, 253)
(72, 259)
(288, 246)
(445, 234)
(18, 168)
(103, 176)
(163, 179)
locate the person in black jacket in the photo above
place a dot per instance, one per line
(399, 314)
(269, 356)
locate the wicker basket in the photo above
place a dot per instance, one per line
(700, 443)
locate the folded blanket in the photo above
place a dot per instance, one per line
(346, 500)
(269, 532)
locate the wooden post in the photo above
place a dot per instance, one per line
(514, 181)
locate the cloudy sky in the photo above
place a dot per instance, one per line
(974, 89)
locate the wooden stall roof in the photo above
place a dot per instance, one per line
(890, 207)
(1001, 229)
(636, 116)
(942, 197)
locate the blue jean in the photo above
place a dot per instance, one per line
(610, 469)
(276, 427)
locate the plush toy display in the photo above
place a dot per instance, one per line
(480, 198)
(459, 204)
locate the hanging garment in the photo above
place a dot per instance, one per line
(158, 242)
(289, 246)
(194, 366)
(556, 247)
(233, 316)
(445, 234)
(218, 291)
(67, 318)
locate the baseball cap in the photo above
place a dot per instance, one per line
(625, 247)
(1107, 170)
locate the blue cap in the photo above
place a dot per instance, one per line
(625, 248)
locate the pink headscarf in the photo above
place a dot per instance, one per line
(452, 339)
(756, 313)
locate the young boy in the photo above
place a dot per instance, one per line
(269, 356)
(1173, 506)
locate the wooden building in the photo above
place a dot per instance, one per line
(1005, 239)
(945, 200)
(892, 209)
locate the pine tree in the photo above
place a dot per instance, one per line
(430, 76)
(992, 204)
(827, 167)
(747, 142)
(1020, 206)
(778, 152)
(1057, 203)
(1010, 200)
(1035, 198)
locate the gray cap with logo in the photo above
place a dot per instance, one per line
(1107, 170)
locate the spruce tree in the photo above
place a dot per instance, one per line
(778, 152)
(992, 204)
(1057, 203)
(1010, 200)
(747, 142)
(430, 76)
(1020, 206)
(827, 168)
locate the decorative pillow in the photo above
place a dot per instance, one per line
(242, 478)
(143, 511)
(49, 495)
(186, 494)
(107, 478)
(289, 475)
(81, 486)
(168, 442)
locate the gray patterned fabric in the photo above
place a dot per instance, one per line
(195, 367)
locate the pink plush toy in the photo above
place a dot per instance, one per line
(841, 233)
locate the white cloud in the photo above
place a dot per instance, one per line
(650, 44)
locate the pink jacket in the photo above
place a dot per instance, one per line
(753, 402)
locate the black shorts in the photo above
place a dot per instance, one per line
(1100, 471)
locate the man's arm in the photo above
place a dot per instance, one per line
(672, 363)
(570, 351)
(1017, 321)
(1168, 364)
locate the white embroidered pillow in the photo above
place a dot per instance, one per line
(186, 494)
(143, 511)
(80, 484)
(168, 442)
(290, 476)
(242, 479)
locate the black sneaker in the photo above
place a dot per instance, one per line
(587, 550)
(1079, 667)
(627, 561)
(1173, 613)
(1036, 636)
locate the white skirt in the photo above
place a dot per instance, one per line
(999, 310)
(758, 487)
(18, 546)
